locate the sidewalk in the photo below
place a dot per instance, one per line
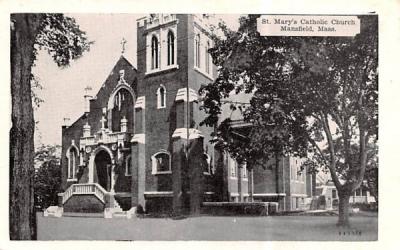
(277, 228)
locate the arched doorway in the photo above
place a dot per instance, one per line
(103, 169)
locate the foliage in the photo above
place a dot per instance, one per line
(371, 173)
(64, 41)
(311, 96)
(35, 85)
(62, 38)
(47, 176)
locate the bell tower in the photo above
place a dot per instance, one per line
(173, 62)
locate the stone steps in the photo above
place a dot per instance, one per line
(112, 212)
(119, 214)
(90, 215)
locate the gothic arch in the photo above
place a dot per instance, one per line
(105, 148)
(92, 159)
(75, 162)
(154, 162)
(161, 97)
(120, 86)
(155, 52)
(111, 105)
(171, 44)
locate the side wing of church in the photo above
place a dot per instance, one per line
(139, 141)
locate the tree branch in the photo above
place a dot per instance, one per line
(332, 165)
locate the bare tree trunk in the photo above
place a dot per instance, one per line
(251, 186)
(22, 216)
(344, 208)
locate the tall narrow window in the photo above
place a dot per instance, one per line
(207, 55)
(161, 97)
(154, 53)
(333, 194)
(171, 48)
(197, 50)
(233, 166)
(128, 166)
(244, 169)
(72, 161)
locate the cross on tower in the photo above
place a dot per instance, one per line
(88, 89)
(123, 42)
(103, 122)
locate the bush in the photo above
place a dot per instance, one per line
(365, 206)
(47, 177)
(139, 209)
(236, 208)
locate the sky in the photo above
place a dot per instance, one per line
(63, 88)
(93, 68)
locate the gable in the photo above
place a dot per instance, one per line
(100, 100)
(112, 80)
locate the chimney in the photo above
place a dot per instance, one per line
(87, 97)
(66, 121)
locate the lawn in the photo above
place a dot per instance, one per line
(271, 228)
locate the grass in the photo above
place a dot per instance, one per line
(270, 228)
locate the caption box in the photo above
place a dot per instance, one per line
(308, 25)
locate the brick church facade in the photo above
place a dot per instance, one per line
(139, 141)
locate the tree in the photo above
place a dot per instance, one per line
(47, 176)
(371, 173)
(314, 97)
(62, 38)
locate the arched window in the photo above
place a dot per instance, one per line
(171, 48)
(154, 53)
(233, 167)
(161, 97)
(72, 156)
(161, 163)
(197, 50)
(122, 107)
(128, 166)
(207, 55)
(244, 169)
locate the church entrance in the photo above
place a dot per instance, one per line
(103, 169)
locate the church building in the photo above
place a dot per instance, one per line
(139, 139)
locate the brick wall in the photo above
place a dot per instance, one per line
(160, 123)
(84, 204)
(74, 132)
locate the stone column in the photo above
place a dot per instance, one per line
(196, 177)
(187, 173)
(138, 157)
(91, 167)
(124, 124)
(221, 174)
(183, 168)
(179, 144)
(112, 190)
(239, 170)
(251, 185)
